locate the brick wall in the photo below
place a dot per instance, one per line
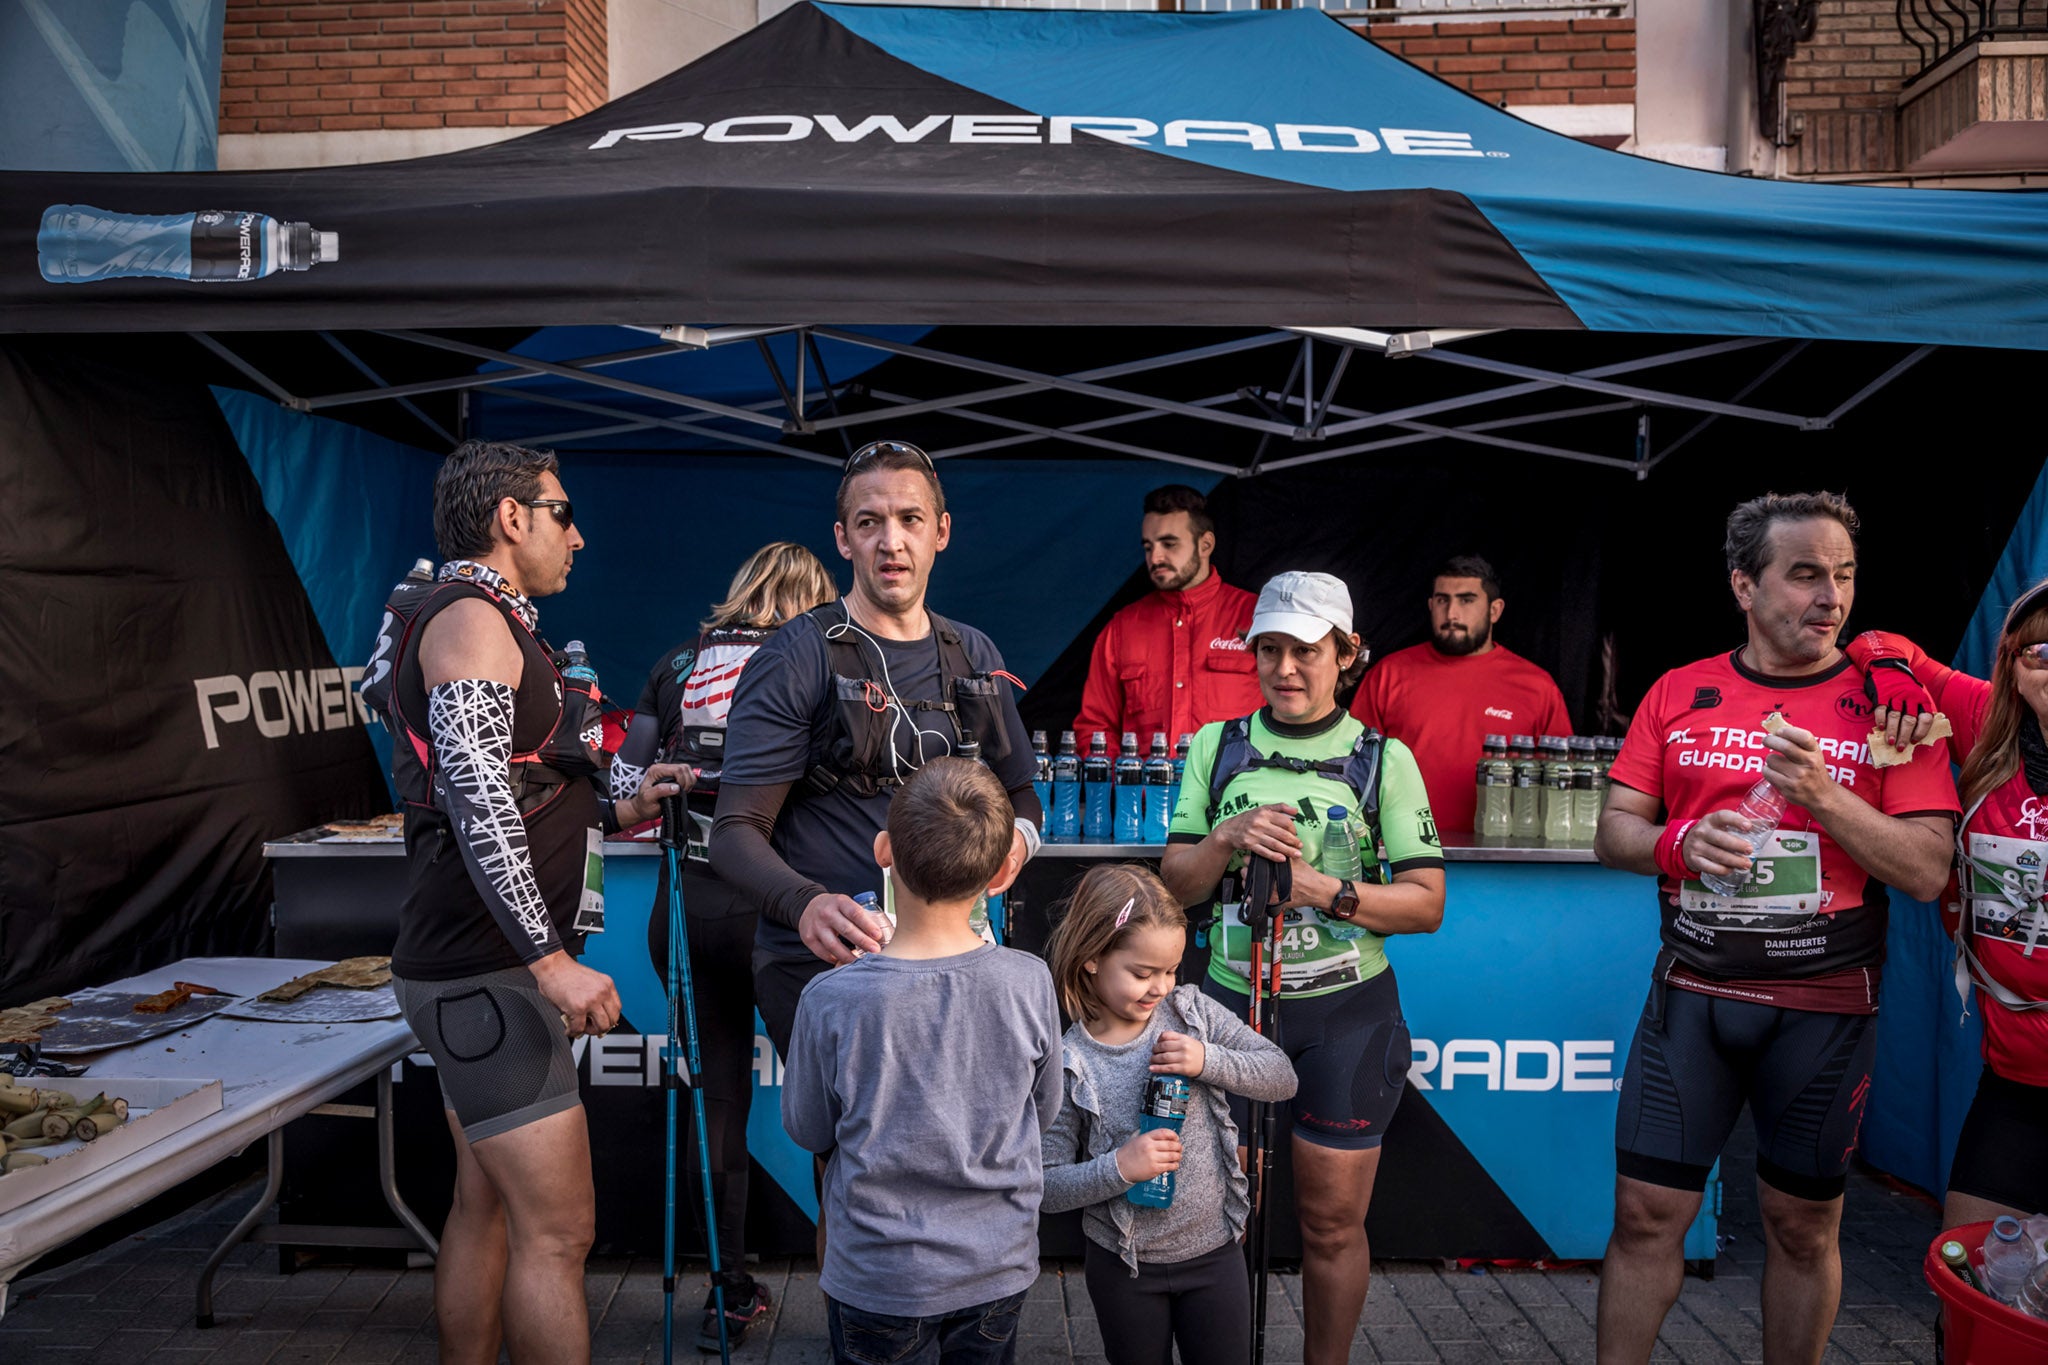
(1559, 61)
(290, 66)
(1842, 88)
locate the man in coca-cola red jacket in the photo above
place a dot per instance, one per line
(1176, 659)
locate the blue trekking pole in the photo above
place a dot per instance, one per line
(682, 1005)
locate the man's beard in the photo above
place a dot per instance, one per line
(1458, 643)
(1181, 578)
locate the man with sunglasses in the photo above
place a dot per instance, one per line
(1765, 997)
(836, 712)
(495, 764)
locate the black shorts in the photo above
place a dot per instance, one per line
(1698, 1058)
(500, 1049)
(1350, 1052)
(778, 983)
(1999, 1156)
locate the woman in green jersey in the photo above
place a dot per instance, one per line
(1277, 778)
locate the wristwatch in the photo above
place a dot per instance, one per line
(1345, 903)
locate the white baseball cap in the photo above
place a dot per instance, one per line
(1306, 606)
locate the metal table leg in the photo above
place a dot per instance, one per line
(272, 1183)
(387, 1174)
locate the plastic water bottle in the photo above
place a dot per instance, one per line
(1166, 1106)
(77, 244)
(422, 571)
(1066, 792)
(1041, 773)
(1097, 823)
(2033, 1296)
(1340, 847)
(2008, 1259)
(1130, 792)
(1160, 790)
(1763, 808)
(578, 666)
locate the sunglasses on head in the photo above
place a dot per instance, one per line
(564, 510)
(874, 450)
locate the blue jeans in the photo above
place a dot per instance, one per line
(985, 1334)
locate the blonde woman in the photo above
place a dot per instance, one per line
(681, 718)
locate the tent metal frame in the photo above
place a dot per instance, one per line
(1302, 412)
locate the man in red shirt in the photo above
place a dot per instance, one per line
(1764, 993)
(1175, 660)
(1442, 697)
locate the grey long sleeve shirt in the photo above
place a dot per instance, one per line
(1104, 1088)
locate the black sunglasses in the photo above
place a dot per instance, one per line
(564, 510)
(876, 449)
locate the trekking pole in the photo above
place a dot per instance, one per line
(682, 1028)
(1262, 879)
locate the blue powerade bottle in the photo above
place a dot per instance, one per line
(1041, 775)
(1161, 790)
(1066, 792)
(1097, 822)
(77, 244)
(1130, 792)
(1166, 1106)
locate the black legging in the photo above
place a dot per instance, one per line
(721, 928)
(1203, 1306)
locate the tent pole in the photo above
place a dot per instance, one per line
(362, 367)
(274, 390)
(676, 424)
(1783, 359)
(478, 381)
(1918, 354)
(1652, 396)
(825, 386)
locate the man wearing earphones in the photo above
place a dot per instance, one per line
(835, 713)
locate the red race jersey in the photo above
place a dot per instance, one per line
(1697, 744)
(1171, 662)
(1443, 706)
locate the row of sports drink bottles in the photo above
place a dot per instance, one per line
(1092, 800)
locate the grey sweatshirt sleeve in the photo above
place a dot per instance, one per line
(1069, 1182)
(1241, 1061)
(1048, 1087)
(810, 1113)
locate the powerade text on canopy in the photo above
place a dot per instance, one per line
(782, 723)
(1697, 744)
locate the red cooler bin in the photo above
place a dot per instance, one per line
(1980, 1329)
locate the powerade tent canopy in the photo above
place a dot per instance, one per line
(863, 165)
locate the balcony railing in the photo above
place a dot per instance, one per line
(1941, 28)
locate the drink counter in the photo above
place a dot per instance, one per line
(1521, 1009)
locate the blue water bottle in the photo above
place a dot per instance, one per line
(77, 244)
(1161, 790)
(1066, 792)
(1041, 774)
(1098, 822)
(1166, 1106)
(1130, 792)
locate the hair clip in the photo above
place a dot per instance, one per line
(1124, 914)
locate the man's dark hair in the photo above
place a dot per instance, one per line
(474, 479)
(880, 462)
(1471, 566)
(1748, 546)
(1178, 497)
(949, 829)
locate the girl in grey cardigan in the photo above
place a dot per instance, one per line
(1159, 1277)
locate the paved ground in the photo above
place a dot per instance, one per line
(133, 1303)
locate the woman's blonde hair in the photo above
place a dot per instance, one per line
(1996, 757)
(1095, 925)
(777, 583)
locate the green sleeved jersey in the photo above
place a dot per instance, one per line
(1318, 953)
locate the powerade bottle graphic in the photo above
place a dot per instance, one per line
(1160, 790)
(1097, 825)
(78, 244)
(1130, 791)
(1166, 1106)
(1041, 775)
(1066, 792)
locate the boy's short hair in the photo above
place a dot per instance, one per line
(950, 828)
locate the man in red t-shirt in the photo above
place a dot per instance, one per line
(1765, 995)
(1442, 697)
(1175, 660)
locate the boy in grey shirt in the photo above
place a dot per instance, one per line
(930, 1071)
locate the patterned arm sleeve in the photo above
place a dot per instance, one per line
(469, 722)
(636, 755)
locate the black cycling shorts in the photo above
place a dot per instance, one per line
(500, 1049)
(1350, 1053)
(1698, 1058)
(1999, 1156)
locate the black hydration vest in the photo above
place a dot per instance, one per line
(694, 732)
(856, 753)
